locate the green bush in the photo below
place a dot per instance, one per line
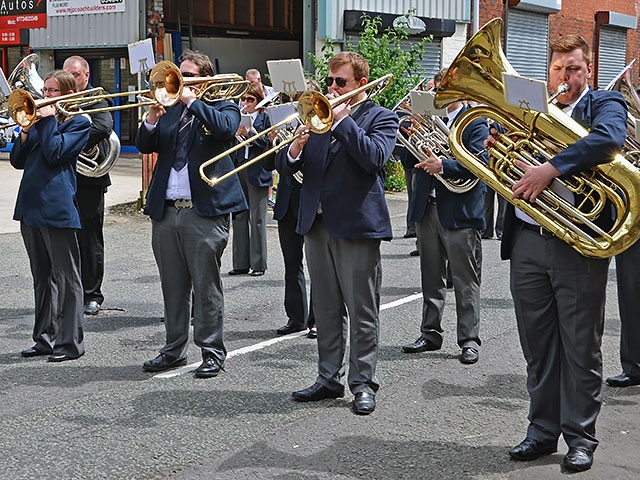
(386, 52)
(394, 176)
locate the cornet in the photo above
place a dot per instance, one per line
(314, 110)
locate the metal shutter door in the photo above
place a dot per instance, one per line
(527, 42)
(612, 50)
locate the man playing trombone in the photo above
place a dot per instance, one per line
(190, 221)
(343, 216)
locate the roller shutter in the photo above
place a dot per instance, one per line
(527, 42)
(612, 53)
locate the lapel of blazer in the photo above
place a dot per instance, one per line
(358, 116)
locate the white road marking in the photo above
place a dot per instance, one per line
(258, 346)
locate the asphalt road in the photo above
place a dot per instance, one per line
(103, 417)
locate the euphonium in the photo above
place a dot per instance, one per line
(632, 144)
(476, 74)
(101, 158)
(422, 132)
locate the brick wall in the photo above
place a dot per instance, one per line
(579, 17)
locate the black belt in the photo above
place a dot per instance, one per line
(179, 203)
(540, 230)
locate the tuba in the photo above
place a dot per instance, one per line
(101, 158)
(476, 74)
(422, 132)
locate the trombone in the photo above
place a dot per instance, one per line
(314, 110)
(166, 88)
(22, 107)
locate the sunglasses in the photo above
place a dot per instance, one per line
(248, 99)
(189, 74)
(341, 82)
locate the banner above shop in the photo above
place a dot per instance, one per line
(18, 14)
(56, 8)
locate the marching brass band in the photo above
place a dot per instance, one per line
(563, 206)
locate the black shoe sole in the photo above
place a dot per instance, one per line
(201, 374)
(179, 363)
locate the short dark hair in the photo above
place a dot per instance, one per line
(569, 43)
(201, 60)
(437, 78)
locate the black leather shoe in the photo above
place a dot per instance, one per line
(33, 352)
(60, 357)
(623, 380)
(316, 392)
(92, 308)
(409, 235)
(420, 345)
(414, 253)
(532, 449)
(210, 367)
(364, 403)
(289, 328)
(578, 459)
(313, 333)
(242, 271)
(257, 273)
(469, 355)
(163, 362)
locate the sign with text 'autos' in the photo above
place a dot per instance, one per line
(17, 14)
(78, 7)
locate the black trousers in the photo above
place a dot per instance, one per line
(295, 291)
(91, 240)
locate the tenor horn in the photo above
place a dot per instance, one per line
(314, 110)
(476, 74)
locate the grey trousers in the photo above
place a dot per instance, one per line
(249, 244)
(463, 249)
(54, 257)
(188, 251)
(628, 276)
(346, 275)
(559, 299)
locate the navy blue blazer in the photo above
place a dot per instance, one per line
(221, 121)
(455, 210)
(604, 114)
(347, 177)
(257, 175)
(288, 197)
(46, 197)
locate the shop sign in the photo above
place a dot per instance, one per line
(78, 7)
(17, 14)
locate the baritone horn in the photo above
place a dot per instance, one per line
(314, 110)
(476, 74)
(428, 131)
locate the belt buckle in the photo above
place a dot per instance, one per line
(183, 203)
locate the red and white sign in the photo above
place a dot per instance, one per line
(10, 37)
(57, 8)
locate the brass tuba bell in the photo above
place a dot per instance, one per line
(476, 74)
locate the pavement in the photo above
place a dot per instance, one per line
(102, 417)
(126, 178)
